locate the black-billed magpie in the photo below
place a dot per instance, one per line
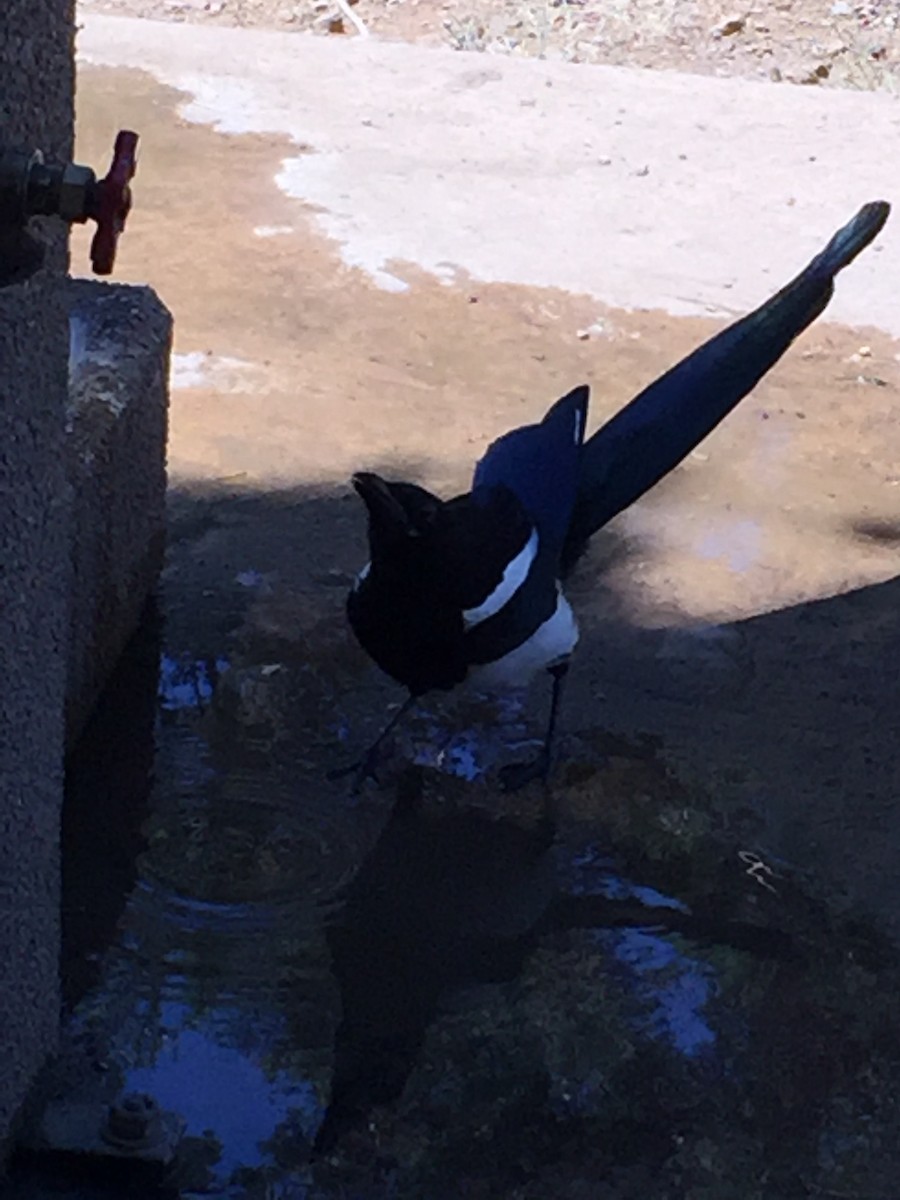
(470, 588)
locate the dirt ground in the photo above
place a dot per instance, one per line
(292, 371)
(813, 42)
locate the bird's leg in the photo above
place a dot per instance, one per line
(516, 775)
(364, 768)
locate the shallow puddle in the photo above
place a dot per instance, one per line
(430, 991)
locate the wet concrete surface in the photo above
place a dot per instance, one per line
(428, 956)
(645, 188)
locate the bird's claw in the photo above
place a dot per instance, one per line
(362, 771)
(516, 775)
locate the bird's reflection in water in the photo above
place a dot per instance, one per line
(451, 897)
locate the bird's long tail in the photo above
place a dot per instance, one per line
(652, 434)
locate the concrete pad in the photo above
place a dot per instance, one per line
(116, 459)
(642, 189)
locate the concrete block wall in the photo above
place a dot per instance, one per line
(36, 109)
(83, 410)
(115, 455)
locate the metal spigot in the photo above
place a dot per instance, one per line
(31, 187)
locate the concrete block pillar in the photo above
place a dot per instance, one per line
(36, 110)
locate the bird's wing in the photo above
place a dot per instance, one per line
(652, 434)
(482, 539)
(539, 464)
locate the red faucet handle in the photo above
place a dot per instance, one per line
(113, 202)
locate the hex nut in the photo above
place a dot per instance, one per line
(73, 192)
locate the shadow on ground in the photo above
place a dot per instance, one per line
(679, 976)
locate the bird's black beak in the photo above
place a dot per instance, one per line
(385, 510)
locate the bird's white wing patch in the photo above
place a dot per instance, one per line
(513, 577)
(362, 577)
(550, 644)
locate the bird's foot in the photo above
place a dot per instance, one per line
(516, 775)
(361, 771)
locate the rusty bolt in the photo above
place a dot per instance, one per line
(133, 1121)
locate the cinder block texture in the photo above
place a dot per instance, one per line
(37, 90)
(34, 576)
(36, 111)
(116, 463)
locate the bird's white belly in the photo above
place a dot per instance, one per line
(550, 644)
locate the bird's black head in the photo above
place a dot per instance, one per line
(400, 514)
(401, 609)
